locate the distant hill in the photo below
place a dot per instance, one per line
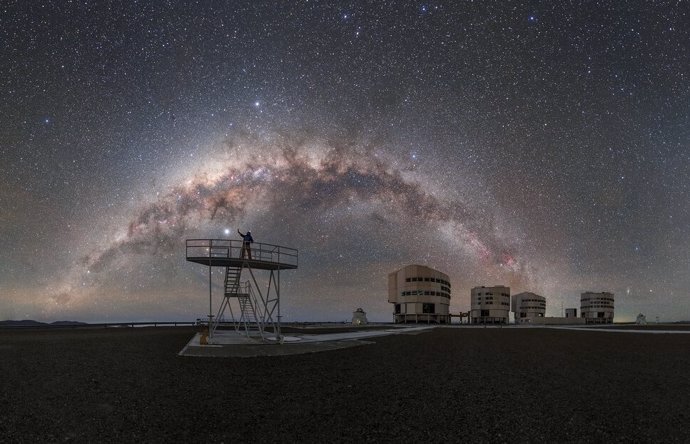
(32, 323)
(68, 323)
(23, 323)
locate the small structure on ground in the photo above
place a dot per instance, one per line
(641, 319)
(359, 317)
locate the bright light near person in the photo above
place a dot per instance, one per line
(227, 231)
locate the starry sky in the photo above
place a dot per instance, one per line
(540, 145)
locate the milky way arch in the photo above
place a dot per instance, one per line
(304, 181)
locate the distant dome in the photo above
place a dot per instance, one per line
(359, 317)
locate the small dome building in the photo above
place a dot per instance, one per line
(359, 317)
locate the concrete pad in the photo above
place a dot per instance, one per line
(193, 348)
(623, 330)
(233, 344)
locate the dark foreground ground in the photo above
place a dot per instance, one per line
(504, 385)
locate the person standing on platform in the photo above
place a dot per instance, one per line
(247, 240)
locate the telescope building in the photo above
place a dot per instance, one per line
(528, 307)
(490, 305)
(597, 308)
(419, 294)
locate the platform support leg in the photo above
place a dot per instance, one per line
(279, 337)
(210, 300)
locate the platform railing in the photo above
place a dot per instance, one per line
(225, 248)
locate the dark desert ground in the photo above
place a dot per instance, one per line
(459, 384)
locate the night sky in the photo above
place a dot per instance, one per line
(540, 145)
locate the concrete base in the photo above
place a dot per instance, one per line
(233, 344)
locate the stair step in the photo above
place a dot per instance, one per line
(236, 295)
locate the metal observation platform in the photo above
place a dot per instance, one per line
(250, 311)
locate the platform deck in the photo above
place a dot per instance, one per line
(238, 262)
(230, 253)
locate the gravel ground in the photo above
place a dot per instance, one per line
(499, 385)
(671, 327)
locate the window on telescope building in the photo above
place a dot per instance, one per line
(428, 308)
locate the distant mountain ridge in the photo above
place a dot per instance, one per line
(32, 323)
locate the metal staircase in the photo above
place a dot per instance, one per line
(250, 317)
(232, 280)
(249, 309)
